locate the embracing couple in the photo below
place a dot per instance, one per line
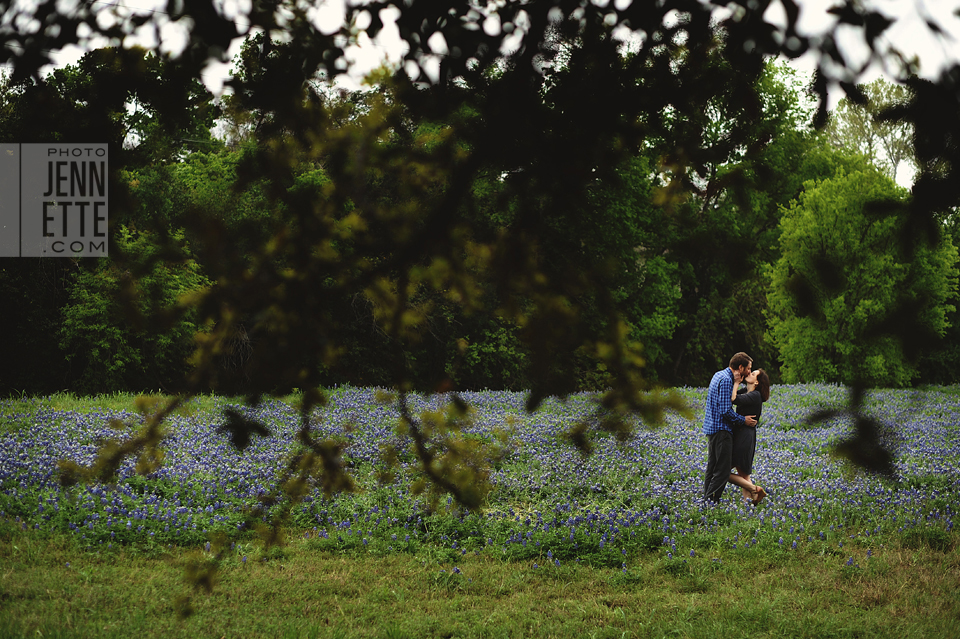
(730, 422)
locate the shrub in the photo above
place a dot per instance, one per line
(124, 335)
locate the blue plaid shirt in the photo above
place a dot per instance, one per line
(719, 413)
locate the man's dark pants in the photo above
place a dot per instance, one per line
(719, 462)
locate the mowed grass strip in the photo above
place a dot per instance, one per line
(48, 588)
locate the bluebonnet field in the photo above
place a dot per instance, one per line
(549, 505)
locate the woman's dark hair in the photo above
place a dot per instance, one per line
(763, 384)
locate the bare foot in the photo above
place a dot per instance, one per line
(761, 493)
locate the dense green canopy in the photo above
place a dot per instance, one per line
(842, 268)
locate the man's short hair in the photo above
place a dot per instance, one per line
(740, 359)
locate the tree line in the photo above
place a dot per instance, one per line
(695, 264)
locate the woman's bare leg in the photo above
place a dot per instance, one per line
(746, 493)
(749, 490)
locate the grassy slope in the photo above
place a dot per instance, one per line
(49, 589)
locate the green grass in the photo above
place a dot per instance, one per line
(15, 412)
(49, 588)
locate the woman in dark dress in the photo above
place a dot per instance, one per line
(749, 402)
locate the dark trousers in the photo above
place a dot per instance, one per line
(719, 463)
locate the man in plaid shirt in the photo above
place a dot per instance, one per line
(717, 418)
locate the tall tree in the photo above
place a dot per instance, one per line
(148, 108)
(722, 235)
(856, 126)
(843, 267)
(149, 111)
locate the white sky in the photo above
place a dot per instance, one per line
(909, 32)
